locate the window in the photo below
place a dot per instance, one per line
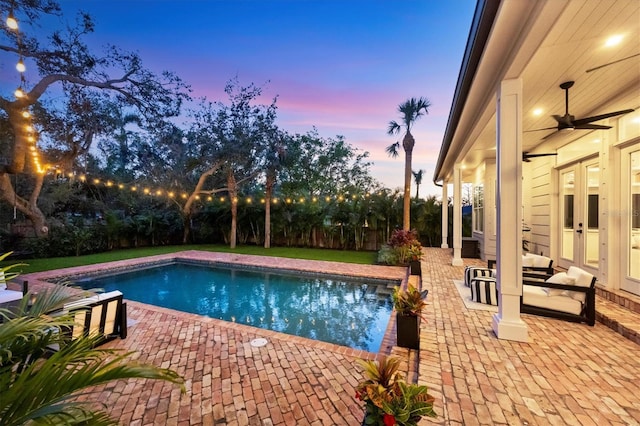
(478, 208)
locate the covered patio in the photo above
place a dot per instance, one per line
(544, 132)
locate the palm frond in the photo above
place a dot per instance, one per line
(393, 149)
(44, 388)
(6, 276)
(394, 128)
(412, 109)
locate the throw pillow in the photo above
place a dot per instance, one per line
(583, 279)
(540, 261)
(559, 278)
(527, 261)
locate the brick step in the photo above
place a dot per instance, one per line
(619, 311)
(620, 297)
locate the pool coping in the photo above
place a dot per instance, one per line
(45, 279)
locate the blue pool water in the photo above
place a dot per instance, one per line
(348, 313)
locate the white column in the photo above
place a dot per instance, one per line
(457, 216)
(445, 215)
(507, 323)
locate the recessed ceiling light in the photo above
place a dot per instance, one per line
(538, 111)
(613, 40)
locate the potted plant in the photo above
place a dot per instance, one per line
(408, 305)
(415, 254)
(389, 400)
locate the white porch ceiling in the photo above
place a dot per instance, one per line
(546, 44)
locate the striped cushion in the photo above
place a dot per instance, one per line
(470, 272)
(484, 290)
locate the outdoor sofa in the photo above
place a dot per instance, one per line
(570, 296)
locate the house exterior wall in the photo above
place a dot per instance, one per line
(538, 191)
(485, 175)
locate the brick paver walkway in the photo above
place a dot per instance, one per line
(567, 374)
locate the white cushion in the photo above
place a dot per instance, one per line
(559, 278)
(539, 261)
(583, 279)
(537, 296)
(7, 296)
(527, 261)
(89, 300)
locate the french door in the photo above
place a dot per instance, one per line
(579, 215)
(630, 207)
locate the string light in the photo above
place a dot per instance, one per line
(12, 23)
(20, 93)
(20, 66)
(248, 200)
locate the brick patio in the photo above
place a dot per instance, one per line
(567, 374)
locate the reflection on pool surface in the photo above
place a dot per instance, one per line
(340, 310)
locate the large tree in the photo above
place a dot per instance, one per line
(275, 153)
(410, 111)
(231, 141)
(62, 65)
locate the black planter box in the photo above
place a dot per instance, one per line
(415, 267)
(408, 331)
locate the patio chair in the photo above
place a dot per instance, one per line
(10, 298)
(104, 315)
(570, 296)
(534, 266)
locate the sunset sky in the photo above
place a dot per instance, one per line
(341, 66)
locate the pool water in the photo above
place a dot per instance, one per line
(344, 311)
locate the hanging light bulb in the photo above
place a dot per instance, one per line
(19, 93)
(26, 114)
(20, 66)
(12, 23)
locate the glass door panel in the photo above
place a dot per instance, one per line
(567, 179)
(591, 230)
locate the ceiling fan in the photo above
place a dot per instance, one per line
(526, 157)
(569, 122)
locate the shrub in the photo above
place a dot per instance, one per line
(402, 247)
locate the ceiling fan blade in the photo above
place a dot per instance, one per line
(545, 128)
(611, 63)
(600, 117)
(592, 127)
(526, 156)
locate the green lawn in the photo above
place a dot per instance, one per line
(36, 265)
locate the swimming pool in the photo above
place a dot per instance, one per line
(351, 312)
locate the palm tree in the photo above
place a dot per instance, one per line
(410, 111)
(41, 387)
(417, 177)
